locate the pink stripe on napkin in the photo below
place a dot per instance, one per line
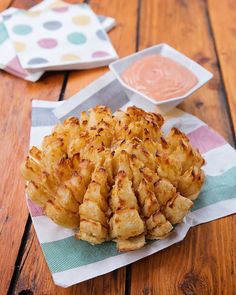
(205, 139)
(14, 67)
(35, 209)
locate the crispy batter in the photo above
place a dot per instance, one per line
(60, 215)
(92, 231)
(94, 224)
(190, 182)
(115, 177)
(126, 223)
(131, 243)
(158, 227)
(177, 208)
(37, 193)
(164, 191)
(122, 195)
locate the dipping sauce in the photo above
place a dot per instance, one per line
(159, 77)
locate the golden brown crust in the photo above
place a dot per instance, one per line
(115, 177)
(131, 244)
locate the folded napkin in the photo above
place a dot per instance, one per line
(9, 60)
(60, 37)
(71, 261)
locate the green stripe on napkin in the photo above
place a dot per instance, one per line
(70, 253)
(217, 188)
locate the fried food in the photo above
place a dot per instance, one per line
(115, 177)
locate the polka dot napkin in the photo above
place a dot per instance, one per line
(8, 57)
(62, 36)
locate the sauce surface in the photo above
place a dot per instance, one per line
(159, 77)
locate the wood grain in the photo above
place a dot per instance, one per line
(123, 37)
(185, 26)
(15, 100)
(194, 266)
(4, 4)
(223, 22)
(33, 272)
(35, 276)
(204, 263)
(24, 4)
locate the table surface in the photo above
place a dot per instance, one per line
(205, 262)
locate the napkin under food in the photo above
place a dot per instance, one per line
(9, 60)
(63, 36)
(71, 261)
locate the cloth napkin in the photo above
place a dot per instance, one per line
(9, 60)
(71, 261)
(60, 37)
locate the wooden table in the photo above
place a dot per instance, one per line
(205, 262)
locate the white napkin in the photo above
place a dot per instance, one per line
(60, 37)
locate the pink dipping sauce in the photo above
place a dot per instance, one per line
(159, 77)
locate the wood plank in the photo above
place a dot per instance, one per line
(223, 22)
(15, 100)
(26, 4)
(123, 37)
(4, 4)
(174, 22)
(34, 274)
(204, 263)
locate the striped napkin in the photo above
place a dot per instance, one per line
(71, 261)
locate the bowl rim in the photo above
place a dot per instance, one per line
(165, 101)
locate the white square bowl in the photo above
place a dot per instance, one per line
(142, 100)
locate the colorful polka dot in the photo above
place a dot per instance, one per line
(101, 18)
(100, 54)
(70, 57)
(101, 35)
(19, 46)
(22, 29)
(37, 60)
(3, 33)
(76, 38)
(33, 13)
(52, 25)
(60, 9)
(6, 17)
(58, 4)
(81, 20)
(83, 5)
(47, 43)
